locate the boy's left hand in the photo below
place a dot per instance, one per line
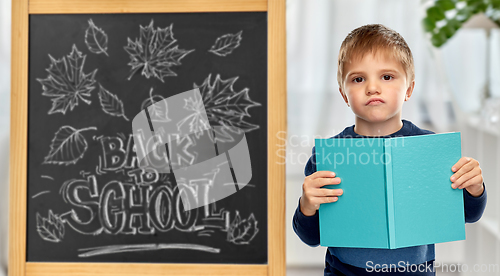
(468, 175)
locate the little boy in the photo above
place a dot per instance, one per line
(375, 76)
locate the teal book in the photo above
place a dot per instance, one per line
(397, 191)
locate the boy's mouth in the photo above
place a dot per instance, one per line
(374, 101)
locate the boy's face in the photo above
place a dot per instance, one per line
(376, 77)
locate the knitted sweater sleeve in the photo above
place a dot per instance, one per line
(474, 206)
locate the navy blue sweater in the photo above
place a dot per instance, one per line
(361, 261)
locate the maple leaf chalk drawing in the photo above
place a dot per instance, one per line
(67, 83)
(96, 39)
(154, 52)
(225, 44)
(111, 104)
(197, 121)
(224, 106)
(242, 231)
(51, 228)
(68, 146)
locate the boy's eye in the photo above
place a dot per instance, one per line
(387, 77)
(358, 79)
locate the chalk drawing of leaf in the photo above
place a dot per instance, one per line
(242, 231)
(110, 103)
(68, 146)
(67, 83)
(51, 228)
(157, 107)
(197, 122)
(224, 107)
(225, 44)
(96, 39)
(154, 52)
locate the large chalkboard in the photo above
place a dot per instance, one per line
(83, 72)
(89, 75)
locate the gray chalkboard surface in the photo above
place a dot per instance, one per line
(89, 75)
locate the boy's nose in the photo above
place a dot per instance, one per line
(372, 88)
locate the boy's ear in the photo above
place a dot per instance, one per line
(344, 96)
(409, 91)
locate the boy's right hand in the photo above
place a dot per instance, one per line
(313, 194)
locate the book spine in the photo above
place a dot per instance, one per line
(389, 193)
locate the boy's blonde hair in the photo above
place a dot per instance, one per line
(372, 38)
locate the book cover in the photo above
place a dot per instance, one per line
(397, 191)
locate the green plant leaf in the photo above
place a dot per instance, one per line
(484, 6)
(438, 39)
(435, 13)
(455, 24)
(445, 5)
(481, 7)
(448, 30)
(472, 2)
(463, 14)
(476, 6)
(495, 4)
(428, 24)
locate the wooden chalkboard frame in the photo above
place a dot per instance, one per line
(21, 9)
